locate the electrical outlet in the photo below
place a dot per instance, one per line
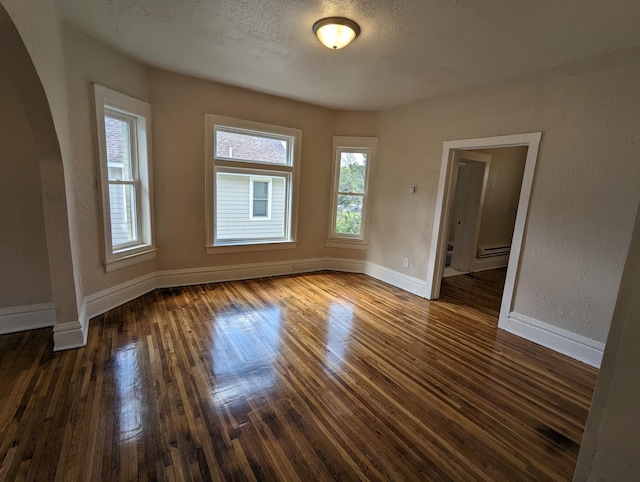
(405, 262)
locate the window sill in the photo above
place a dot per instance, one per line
(244, 248)
(125, 259)
(347, 244)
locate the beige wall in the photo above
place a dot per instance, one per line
(35, 64)
(24, 263)
(587, 180)
(89, 61)
(579, 223)
(179, 104)
(609, 449)
(502, 195)
(360, 124)
(357, 123)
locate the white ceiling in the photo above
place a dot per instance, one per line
(408, 49)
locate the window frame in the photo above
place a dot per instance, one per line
(342, 144)
(137, 113)
(255, 170)
(252, 181)
(135, 175)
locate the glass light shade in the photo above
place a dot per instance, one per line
(336, 32)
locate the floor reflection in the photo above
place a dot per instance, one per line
(339, 331)
(127, 380)
(245, 346)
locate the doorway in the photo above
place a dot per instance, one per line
(444, 203)
(471, 172)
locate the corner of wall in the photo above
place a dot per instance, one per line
(72, 334)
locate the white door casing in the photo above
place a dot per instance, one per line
(438, 247)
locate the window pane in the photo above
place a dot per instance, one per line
(123, 222)
(260, 190)
(234, 204)
(250, 147)
(118, 138)
(260, 208)
(349, 214)
(352, 171)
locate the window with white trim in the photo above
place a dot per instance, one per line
(260, 199)
(124, 137)
(251, 181)
(353, 157)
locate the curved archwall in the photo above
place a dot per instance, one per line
(57, 195)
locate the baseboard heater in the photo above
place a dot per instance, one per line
(490, 251)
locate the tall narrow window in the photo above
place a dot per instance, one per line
(352, 163)
(124, 127)
(122, 179)
(251, 184)
(260, 199)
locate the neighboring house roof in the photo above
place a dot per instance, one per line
(243, 146)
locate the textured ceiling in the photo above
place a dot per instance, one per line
(408, 49)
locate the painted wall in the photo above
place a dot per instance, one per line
(35, 64)
(89, 61)
(609, 449)
(24, 262)
(502, 195)
(579, 223)
(179, 104)
(356, 123)
(587, 179)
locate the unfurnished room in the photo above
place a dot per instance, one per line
(319, 240)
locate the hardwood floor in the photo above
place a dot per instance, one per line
(316, 377)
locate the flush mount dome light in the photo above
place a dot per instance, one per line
(336, 32)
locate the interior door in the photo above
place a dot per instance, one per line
(472, 176)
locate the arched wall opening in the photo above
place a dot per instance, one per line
(20, 72)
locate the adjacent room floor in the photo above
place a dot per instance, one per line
(315, 377)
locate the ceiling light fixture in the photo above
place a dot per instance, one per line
(336, 32)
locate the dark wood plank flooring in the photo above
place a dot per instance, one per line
(323, 376)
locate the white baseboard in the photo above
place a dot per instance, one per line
(399, 280)
(575, 346)
(346, 265)
(28, 317)
(105, 300)
(72, 334)
(493, 262)
(215, 274)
